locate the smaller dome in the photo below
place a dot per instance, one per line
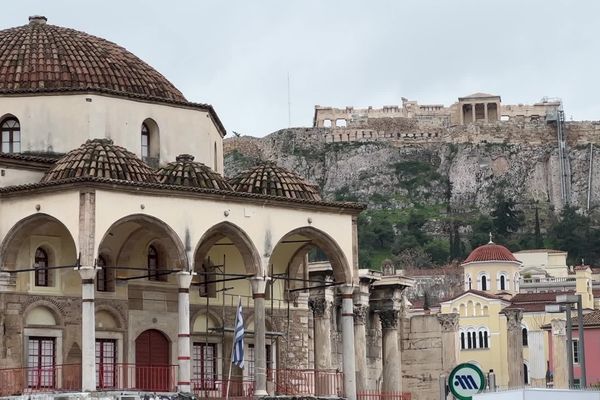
(187, 172)
(269, 179)
(100, 158)
(490, 252)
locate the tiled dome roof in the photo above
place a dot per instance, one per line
(187, 172)
(490, 252)
(100, 158)
(267, 178)
(45, 58)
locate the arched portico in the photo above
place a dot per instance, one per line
(289, 257)
(237, 239)
(129, 239)
(52, 238)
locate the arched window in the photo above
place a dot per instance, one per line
(150, 143)
(206, 275)
(525, 374)
(216, 158)
(145, 141)
(502, 282)
(11, 135)
(42, 274)
(486, 335)
(483, 282)
(525, 337)
(103, 280)
(474, 339)
(462, 340)
(469, 341)
(153, 274)
(481, 340)
(468, 282)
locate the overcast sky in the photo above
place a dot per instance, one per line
(236, 55)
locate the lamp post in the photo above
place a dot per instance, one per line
(565, 303)
(569, 299)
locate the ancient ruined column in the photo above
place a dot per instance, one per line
(361, 313)
(88, 329)
(450, 355)
(349, 361)
(485, 111)
(184, 279)
(536, 342)
(87, 271)
(321, 308)
(259, 285)
(392, 366)
(514, 347)
(473, 108)
(560, 365)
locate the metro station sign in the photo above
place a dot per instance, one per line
(465, 380)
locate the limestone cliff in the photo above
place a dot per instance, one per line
(394, 174)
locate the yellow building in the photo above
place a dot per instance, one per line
(492, 276)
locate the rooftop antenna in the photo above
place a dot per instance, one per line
(289, 103)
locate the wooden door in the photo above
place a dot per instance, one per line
(153, 371)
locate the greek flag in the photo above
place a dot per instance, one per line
(237, 356)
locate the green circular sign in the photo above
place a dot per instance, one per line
(465, 380)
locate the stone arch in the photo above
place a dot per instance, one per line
(240, 239)
(139, 230)
(342, 271)
(11, 244)
(48, 304)
(212, 315)
(114, 313)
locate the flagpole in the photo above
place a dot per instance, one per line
(232, 350)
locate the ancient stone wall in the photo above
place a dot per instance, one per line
(429, 349)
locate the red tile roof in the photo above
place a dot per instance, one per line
(100, 158)
(187, 172)
(268, 178)
(39, 56)
(533, 302)
(490, 252)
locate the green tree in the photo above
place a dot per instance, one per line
(574, 233)
(506, 218)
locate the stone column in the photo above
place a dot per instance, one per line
(514, 347)
(321, 307)
(184, 382)
(392, 365)
(474, 118)
(537, 358)
(560, 364)
(450, 348)
(349, 361)
(88, 329)
(259, 285)
(361, 313)
(485, 111)
(87, 271)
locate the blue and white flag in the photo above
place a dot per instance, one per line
(237, 356)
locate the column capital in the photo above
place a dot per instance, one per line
(87, 273)
(184, 279)
(449, 322)
(559, 327)
(259, 284)
(347, 289)
(513, 318)
(389, 319)
(361, 312)
(320, 306)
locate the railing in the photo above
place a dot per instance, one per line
(528, 281)
(14, 381)
(65, 378)
(376, 395)
(217, 389)
(308, 382)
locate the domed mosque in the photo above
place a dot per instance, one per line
(121, 244)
